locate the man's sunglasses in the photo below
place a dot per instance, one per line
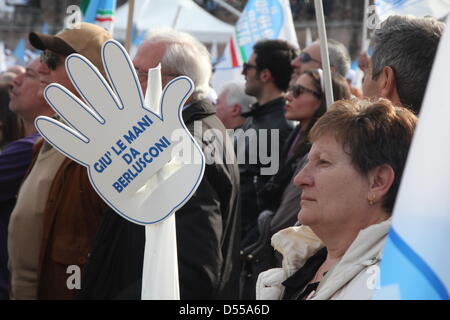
(305, 58)
(297, 90)
(51, 59)
(247, 66)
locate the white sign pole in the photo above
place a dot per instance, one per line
(324, 52)
(160, 269)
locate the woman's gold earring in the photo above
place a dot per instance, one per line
(371, 200)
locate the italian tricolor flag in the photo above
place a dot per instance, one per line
(100, 12)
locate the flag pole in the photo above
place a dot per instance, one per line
(228, 7)
(177, 15)
(129, 36)
(324, 52)
(364, 42)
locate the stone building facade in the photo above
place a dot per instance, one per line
(344, 19)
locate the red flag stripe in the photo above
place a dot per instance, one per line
(103, 19)
(234, 58)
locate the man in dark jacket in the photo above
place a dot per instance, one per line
(267, 76)
(207, 225)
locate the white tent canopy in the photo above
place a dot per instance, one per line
(191, 18)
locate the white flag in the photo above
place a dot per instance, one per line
(419, 8)
(416, 263)
(2, 57)
(261, 19)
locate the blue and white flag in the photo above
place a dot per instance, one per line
(45, 28)
(138, 36)
(261, 19)
(19, 51)
(416, 259)
(419, 8)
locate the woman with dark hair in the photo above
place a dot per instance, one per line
(349, 184)
(10, 125)
(11, 129)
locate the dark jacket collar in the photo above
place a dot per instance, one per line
(268, 107)
(198, 110)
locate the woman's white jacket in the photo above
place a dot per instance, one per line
(353, 278)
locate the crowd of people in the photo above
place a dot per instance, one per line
(302, 217)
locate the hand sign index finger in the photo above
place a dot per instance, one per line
(121, 75)
(92, 87)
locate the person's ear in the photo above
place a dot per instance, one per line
(265, 75)
(381, 179)
(236, 110)
(388, 85)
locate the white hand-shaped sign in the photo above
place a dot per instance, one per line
(128, 149)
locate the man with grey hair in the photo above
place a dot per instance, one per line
(404, 49)
(231, 103)
(179, 54)
(207, 226)
(310, 58)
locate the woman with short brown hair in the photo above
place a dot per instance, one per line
(349, 188)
